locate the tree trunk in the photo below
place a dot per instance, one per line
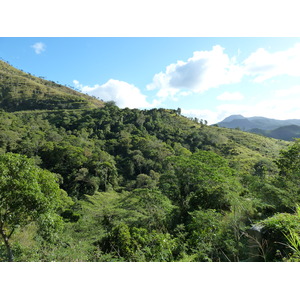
(7, 245)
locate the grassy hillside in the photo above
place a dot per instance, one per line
(22, 91)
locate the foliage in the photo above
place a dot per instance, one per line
(138, 244)
(202, 179)
(282, 232)
(155, 210)
(293, 240)
(28, 193)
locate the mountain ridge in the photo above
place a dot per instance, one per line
(279, 129)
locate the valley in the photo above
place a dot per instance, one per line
(84, 180)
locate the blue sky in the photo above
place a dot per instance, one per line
(208, 78)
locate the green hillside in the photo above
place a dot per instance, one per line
(22, 91)
(111, 184)
(287, 133)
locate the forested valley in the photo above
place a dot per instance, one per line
(84, 180)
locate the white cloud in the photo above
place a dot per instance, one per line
(227, 96)
(211, 69)
(185, 93)
(271, 108)
(282, 105)
(123, 93)
(264, 65)
(210, 116)
(205, 70)
(293, 91)
(39, 47)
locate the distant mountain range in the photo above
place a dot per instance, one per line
(278, 129)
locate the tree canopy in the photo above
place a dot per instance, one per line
(27, 193)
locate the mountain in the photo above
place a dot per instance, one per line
(241, 123)
(287, 133)
(233, 117)
(270, 124)
(22, 91)
(279, 129)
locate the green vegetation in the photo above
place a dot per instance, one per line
(28, 194)
(111, 184)
(22, 91)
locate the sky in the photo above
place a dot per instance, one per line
(208, 78)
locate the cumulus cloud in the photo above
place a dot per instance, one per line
(123, 93)
(211, 69)
(227, 96)
(39, 47)
(264, 65)
(205, 70)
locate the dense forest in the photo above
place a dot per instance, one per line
(81, 181)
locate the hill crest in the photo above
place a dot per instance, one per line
(22, 91)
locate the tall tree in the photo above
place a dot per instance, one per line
(27, 194)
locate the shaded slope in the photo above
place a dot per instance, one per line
(271, 124)
(287, 133)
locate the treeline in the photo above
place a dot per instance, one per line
(155, 186)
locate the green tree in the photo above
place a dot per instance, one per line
(201, 180)
(289, 177)
(137, 244)
(205, 234)
(289, 162)
(153, 210)
(28, 194)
